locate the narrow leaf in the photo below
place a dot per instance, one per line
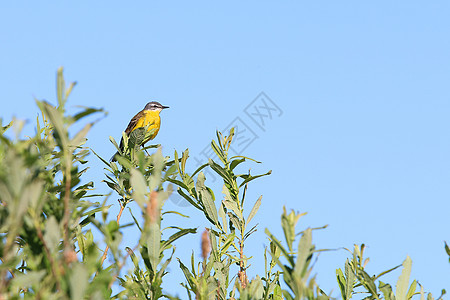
(178, 235)
(341, 281)
(254, 209)
(231, 205)
(350, 279)
(403, 280)
(250, 178)
(153, 245)
(304, 253)
(207, 199)
(139, 184)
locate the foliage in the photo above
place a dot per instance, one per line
(55, 232)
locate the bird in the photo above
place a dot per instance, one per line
(148, 117)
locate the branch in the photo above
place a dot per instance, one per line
(122, 206)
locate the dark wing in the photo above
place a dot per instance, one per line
(133, 122)
(131, 126)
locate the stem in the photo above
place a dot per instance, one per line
(118, 219)
(66, 207)
(121, 265)
(242, 273)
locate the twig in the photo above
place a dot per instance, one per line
(66, 207)
(122, 206)
(121, 265)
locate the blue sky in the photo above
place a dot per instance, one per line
(361, 137)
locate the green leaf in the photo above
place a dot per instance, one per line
(199, 169)
(280, 247)
(86, 112)
(184, 158)
(103, 160)
(250, 178)
(60, 88)
(256, 288)
(234, 163)
(22, 280)
(227, 194)
(223, 217)
(153, 245)
(447, 250)
(81, 242)
(387, 271)
(4, 128)
(342, 284)
(241, 156)
(231, 205)
(251, 231)
(305, 248)
(113, 141)
(135, 220)
(139, 185)
(219, 152)
(227, 243)
(369, 283)
(69, 89)
(350, 279)
(175, 213)
(207, 199)
(52, 234)
(189, 199)
(213, 242)
(412, 290)
(277, 293)
(288, 223)
(177, 162)
(254, 209)
(177, 182)
(187, 274)
(80, 137)
(221, 171)
(78, 281)
(158, 165)
(403, 280)
(235, 221)
(177, 235)
(422, 293)
(56, 119)
(443, 292)
(386, 289)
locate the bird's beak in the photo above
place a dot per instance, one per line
(165, 107)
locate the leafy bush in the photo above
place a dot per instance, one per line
(47, 214)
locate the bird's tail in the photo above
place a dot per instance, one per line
(113, 158)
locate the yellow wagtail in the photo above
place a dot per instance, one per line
(148, 117)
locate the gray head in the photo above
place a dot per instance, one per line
(155, 106)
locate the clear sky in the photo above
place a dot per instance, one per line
(358, 135)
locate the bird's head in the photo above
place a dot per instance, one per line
(155, 106)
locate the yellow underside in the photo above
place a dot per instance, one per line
(150, 119)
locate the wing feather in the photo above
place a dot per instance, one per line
(131, 126)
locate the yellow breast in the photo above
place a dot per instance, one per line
(150, 119)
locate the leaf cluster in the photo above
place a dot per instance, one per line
(56, 233)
